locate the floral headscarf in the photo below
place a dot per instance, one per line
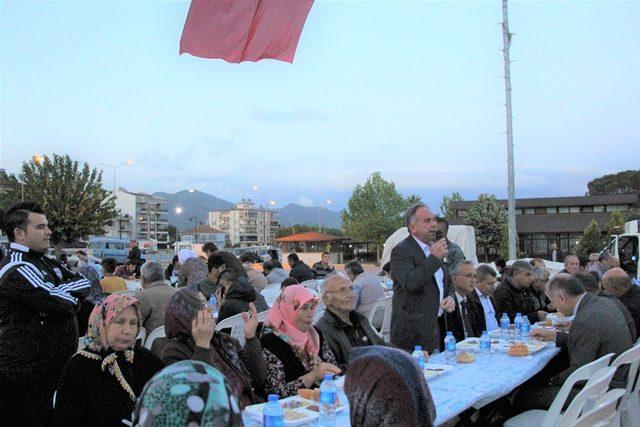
(185, 254)
(187, 393)
(101, 318)
(180, 312)
(281, 320)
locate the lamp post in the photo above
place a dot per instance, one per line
(127, 162)
(195, 223)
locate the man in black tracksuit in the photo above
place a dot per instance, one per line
(38, 326)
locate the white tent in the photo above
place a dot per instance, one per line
(463, 235)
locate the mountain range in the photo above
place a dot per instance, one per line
(198, 204)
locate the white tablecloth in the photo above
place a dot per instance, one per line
(477, 384)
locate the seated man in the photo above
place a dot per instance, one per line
(209, 249)
(216, 264)
(510, 297)
(111, 283)
(256, 279)
(598, 328)
(537, 288)
(274, 272)
(571, 264)
(342, 327)
(324, 267)
(127, 271)
(618, 283)
(485, 285)
(368, 288)
(288, 282)
(467, 320)
(154, 296)
(235, 295)
(590, 284)
(84, 259)
(299, 269)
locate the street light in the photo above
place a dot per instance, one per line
(38, 158)
(191, 190)
(178, 210)
(272, 202)
(127, 162)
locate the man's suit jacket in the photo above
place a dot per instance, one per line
(598, 328)
(475, 312)
(479, 310)
(416, 298)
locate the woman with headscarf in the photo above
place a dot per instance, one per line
(192, 268)
(187, 393)
(296, 354)
(101, 382)
(190, 335)
(385, 387)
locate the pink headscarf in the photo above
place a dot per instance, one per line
(101, 317)
(281, 319)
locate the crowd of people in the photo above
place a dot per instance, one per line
(48, 376)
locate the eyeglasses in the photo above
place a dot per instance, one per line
(342, 290)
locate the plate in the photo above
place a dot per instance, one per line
(533, 346)
(473, 343)
(432, 370)
(297, 411)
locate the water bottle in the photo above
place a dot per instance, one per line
(485, 342)
(526, 329)
(418, 356)
(328, 396)
(450, 348)
(504, 325)
(214, 305)
(517, 323)
(273, 414)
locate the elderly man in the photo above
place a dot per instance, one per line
(571, 264)
(342, 327)
(421, 289)
(154, 296)
(369, 290)
(485, 285)
(537, 289)
(467, 320)
(323, 267)
(554, 254)
(511, 297)
(618, 283)
(39, 299)
(256, 279)
(274, 272)
(598, 328)
(590, 284)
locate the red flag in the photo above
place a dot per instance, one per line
(244, 30)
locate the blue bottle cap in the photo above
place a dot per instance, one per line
(328, 377)
(274, 398)
(418, 348)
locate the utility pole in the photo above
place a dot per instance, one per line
(511, 204)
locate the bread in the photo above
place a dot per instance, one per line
(465, 358)
(547, 322)
(518, 350)
(310, 394)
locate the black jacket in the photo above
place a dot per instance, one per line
(238, 297)
(302, 272)
(134, 254)
(38, 326)
(475, 312)
(510, 300)
(631, 300)
(333, 330)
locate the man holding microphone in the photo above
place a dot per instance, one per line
(421, 293)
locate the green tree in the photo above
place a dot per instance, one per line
(445, 210)
(591, 240)
(12, 193)
(487, 217)
(374, 211)
(72, 196)
(617, 183)
(503, 250)
(303, 228)
(173, 233)
(412, 199)
(616, 224)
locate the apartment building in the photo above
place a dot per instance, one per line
(246, 224)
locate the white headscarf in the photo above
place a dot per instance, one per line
(185, 254)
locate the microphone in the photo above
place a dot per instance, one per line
(440, 235)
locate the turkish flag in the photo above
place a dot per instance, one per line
(244, 30)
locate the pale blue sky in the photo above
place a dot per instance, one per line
(411, 89)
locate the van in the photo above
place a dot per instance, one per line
(110, 247)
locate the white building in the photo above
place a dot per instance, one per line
(203, 234)
(246, 225)
(142, 217)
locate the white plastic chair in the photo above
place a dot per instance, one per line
(154, 335)
(271, 293)
(236, 325)
(80, 341)
(262, 316)
(383, 304)
(630, 403)
(605, 411)
(318, 314)
(551, 417)
(142, 335)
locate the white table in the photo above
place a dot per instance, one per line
(477, 384)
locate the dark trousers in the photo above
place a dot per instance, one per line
(26, 403)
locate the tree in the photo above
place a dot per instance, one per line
(616, 224)
(487, 217)
(173, 233)
(412, 199)
(618, 183)
(590, 242)
(503, 251)
(445, 210)
(73, 198)
(12, 191)
(374, 211)
(303, 228)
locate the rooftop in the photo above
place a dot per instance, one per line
(310, 236)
